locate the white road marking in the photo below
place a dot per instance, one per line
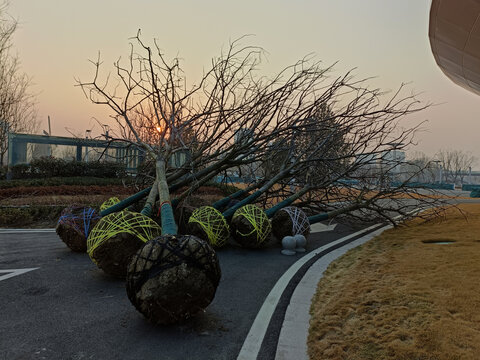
(319, 227)
(254, 339)
(292, 341)
(14, 272)
(28, 231)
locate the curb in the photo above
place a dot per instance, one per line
(292, 342)
(252, 345)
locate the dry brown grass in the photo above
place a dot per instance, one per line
(401, 297)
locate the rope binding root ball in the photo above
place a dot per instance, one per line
(110, 202)
(74, 225)
(173, 277)
(290, 221)
(208, 224)
(116, 237)
(251, 227)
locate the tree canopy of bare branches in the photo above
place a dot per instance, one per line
(455, 164)
(17, 103)
(315, 128)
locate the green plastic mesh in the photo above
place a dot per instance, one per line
(110, 202)
(209, 224)
(250, 226)
(120, 223)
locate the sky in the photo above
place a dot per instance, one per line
(383, 39)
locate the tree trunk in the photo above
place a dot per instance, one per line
(169, 227)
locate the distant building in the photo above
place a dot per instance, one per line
(393, 157)
(41, 150)
(367, 159)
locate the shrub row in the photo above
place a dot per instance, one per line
(47, 167)
(43, 216)
(65, 190)
(58, 181)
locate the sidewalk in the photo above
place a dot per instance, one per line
(281, 325)
(292, 343)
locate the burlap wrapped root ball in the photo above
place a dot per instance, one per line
(184, 210)
(250, 227)
(74, 225)
(290, 221)
(117, 237)
(208, 224)
(110, 202)
(173, 277)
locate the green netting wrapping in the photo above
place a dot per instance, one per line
(173, 277)
(290, 221)
(116, 238)
(209, 224)
(74, 225)
(110, 202)
(251, 227)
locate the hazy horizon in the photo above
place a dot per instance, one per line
(386, 40)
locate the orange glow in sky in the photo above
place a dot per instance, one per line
(386, 40)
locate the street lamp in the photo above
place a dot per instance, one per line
(106, 128)
(87, 136)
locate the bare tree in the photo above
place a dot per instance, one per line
(455, 164)
(311, 127)
(425, 168)
(17, 103)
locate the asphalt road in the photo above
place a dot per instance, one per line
(69, 309)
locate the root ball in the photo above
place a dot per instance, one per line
(290, 221)
(74, 225)
(110, 202)
(208, 224)
(251, 227)
(173, 277)
(116, 237)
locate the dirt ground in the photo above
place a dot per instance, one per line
(403, 295)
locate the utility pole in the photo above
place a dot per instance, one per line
(49, 151)
(87, 136)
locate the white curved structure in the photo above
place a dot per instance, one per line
(455, 40)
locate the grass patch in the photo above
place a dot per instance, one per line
(400, 296)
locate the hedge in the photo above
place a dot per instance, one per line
(26, 216)
(47, 167)
(58, 181)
